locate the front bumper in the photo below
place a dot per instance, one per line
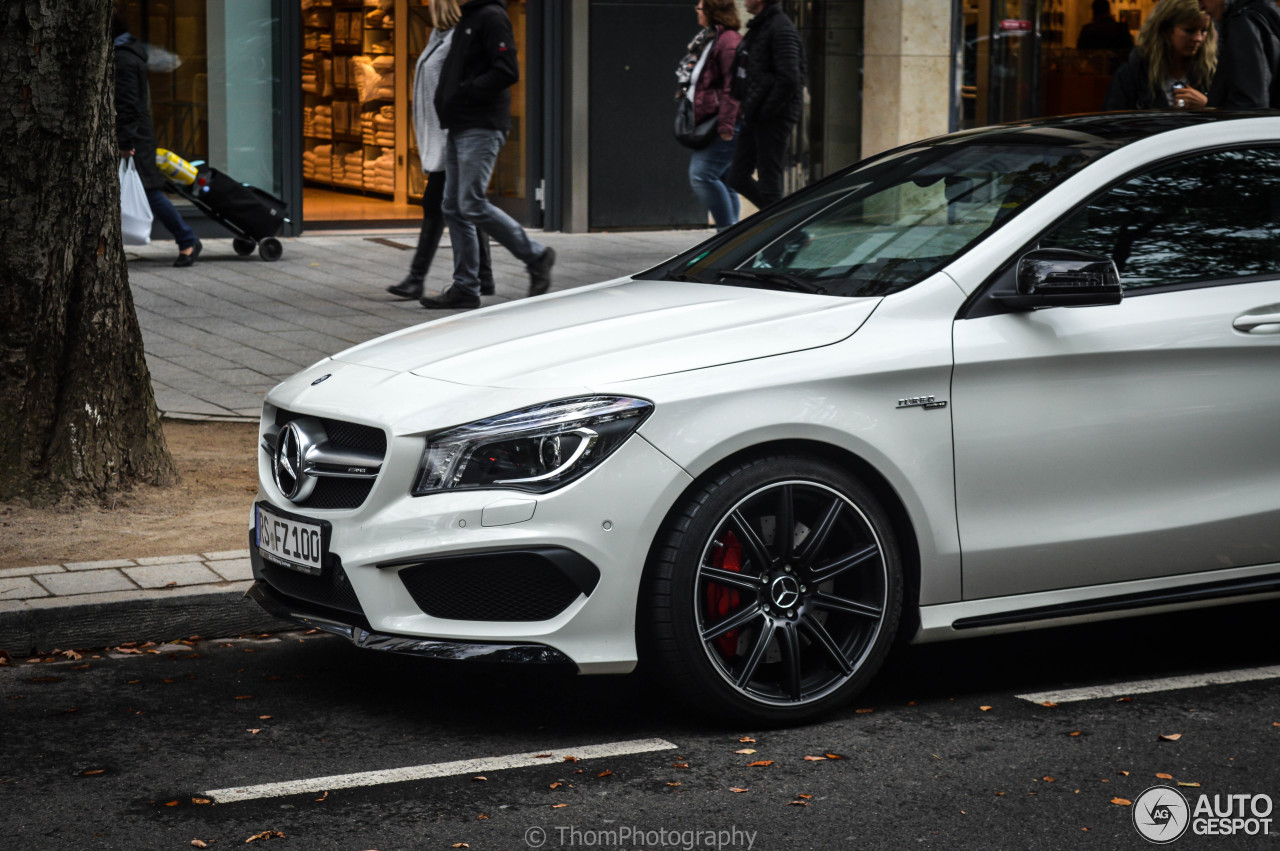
(401, 561)
(358, 633)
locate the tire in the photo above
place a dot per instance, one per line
(270, 249)
(243, 247)
(756, 626)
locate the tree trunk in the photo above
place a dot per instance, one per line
(77, 413)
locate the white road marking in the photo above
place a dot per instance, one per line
(1146, 686)
(440, 769)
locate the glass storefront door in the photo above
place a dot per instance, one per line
(1027, 58)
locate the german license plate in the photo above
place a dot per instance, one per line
(291, 543)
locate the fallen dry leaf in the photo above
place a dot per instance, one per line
(806, 797)
(736, 789)
(93, 771)
(254, 730)
(815, 759)
(605, 773)
(1122, 802)
(1074, 733)
(199, 843)
(797, 803)
(675, 783)
(760, 763)
(1189, 785)
(481, 777)
(746, 750)
(1049, 779)
(1048, 703)
(201, 801)
(556, 785)
(1164, 776)
(171, 803)
(834, 756)
(1125, 773)
(243, 697)
(571, 759)
(266, 834)
(126, 650)
(748, 739)
(72, 655)
(1124, 700)
(558, 806)
(459, 845)
(1169, 737)
(482, 816)
(322, 797)
(264, 717)
(679, 765)
(863, 711)
(985, 708)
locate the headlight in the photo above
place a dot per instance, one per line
(534, 449)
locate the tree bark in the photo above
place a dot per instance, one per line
(77, 413)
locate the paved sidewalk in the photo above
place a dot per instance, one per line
(222, 333)
(218, 336)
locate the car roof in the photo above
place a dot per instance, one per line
(1106, 130)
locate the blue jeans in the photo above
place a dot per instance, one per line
(707, 170)
(468, 164)
(172, 220)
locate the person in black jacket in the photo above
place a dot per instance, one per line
(473, 102)
(137, 137)
(768, 80)
(1249, 71)
(1173, 63)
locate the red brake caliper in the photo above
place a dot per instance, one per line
(721, 600)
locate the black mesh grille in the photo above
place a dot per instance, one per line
(502, 587)
(332, 492)
(331, 588)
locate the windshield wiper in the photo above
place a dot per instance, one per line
(771, 280)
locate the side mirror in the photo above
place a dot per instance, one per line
(1060, 277)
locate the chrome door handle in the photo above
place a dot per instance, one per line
(1250, 321)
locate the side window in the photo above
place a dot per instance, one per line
(1211, 217)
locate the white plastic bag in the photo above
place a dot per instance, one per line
(135, 212)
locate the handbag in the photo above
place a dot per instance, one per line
(689, 134)
(135, 211)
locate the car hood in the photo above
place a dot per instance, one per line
(611, 332)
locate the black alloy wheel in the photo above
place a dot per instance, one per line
(778, 592)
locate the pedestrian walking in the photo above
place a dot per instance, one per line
(704, 77)
(473, 102)
(136, 136)
(768, 82)
(1248, 74)
(1173, 63)
(431, 149)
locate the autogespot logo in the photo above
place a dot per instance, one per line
(1161, 814)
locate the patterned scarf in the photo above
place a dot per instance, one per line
(684, 73)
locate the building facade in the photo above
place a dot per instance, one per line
(310, 99)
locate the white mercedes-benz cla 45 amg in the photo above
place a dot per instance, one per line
(1009, 378)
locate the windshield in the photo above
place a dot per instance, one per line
(884, 226)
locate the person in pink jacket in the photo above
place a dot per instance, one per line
(704, 78)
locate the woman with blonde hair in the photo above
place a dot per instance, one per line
(431, 143)
(1173, 64)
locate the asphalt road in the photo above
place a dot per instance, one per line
(117, 750)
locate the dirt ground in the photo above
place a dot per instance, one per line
(208, 511)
